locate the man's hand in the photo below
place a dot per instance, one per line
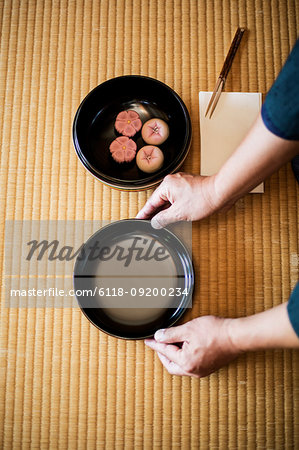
(193, 197)
(197, 348)
(205, 344)
(181, 196)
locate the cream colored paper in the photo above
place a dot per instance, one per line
(230, 122)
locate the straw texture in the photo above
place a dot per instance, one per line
(64, 384)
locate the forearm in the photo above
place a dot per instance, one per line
(267, 330)
(260, 154)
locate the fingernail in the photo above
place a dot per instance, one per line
(159, 335)
(155, 224)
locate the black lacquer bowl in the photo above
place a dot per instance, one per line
(135, 295)
(93, 129)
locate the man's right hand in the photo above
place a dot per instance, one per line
(179, 197)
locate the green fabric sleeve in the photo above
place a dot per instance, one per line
(293, 309)
(280, 111)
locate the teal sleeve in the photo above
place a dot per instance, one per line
(293, 309)
(280, 111)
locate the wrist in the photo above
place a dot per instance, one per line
(212, 193)
(224, 189)
(238, 335)
(251, 333)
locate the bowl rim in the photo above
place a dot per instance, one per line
(179, 311)
(125, 185)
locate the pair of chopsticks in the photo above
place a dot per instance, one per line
(224, 71)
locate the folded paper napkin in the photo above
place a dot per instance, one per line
(234, 115)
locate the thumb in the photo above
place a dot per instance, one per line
(164, 218)
(171, 335)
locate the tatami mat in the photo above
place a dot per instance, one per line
(64, 384)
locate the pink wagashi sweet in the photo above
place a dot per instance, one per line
(128, 123)
(123, 149)
(149, 159)
(155, 131)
